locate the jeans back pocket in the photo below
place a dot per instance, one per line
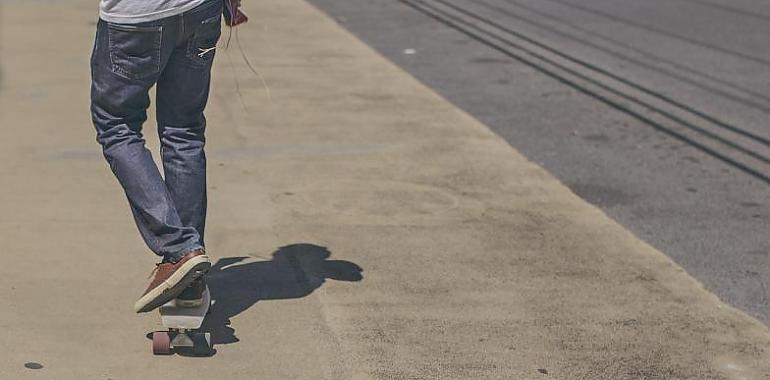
(135, 50)
(203, 43)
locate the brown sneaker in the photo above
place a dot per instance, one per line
(171, 279)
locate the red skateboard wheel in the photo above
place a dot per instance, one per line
(161, 343)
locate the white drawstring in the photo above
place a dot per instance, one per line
(204, 51)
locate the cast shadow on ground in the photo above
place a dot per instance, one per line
(295, 271)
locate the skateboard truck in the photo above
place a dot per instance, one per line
(183, 320)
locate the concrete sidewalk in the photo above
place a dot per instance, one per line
(476, 263)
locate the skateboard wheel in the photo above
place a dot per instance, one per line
(161, 343)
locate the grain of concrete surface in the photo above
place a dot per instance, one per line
(477, 264)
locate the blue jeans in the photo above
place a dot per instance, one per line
(176, 54)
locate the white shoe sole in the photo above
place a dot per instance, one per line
(174, 285)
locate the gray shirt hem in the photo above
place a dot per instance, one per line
(135, 19)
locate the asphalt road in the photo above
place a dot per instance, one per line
(655, 111)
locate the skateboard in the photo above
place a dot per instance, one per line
(183, 319)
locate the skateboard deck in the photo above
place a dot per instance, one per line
(182, 323)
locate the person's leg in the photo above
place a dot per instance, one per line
(182, 93)
(126, 62)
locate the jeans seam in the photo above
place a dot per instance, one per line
(109, 47)
(160, 49)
